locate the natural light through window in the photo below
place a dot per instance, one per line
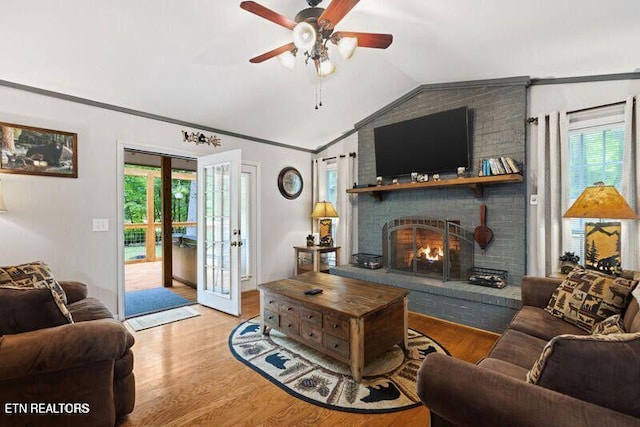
(596, 154)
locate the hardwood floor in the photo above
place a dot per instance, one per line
(147, 275)
(186, 376)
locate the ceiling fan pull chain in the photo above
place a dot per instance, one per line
(320, 84)
(316, 97)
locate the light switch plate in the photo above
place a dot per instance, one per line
(100, 224)
(533, 200)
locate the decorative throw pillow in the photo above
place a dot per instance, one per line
(599, 369)
(535, 374)
(587, 297)
(636, 293)
(28, 309)
(610, 325)
(629, 274)
(35, 275)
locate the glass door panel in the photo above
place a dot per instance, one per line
(218, 286)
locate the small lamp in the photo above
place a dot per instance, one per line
(304, 36)
(601, 201)
(3, 207)
(346, 46)
(324, 210)
(325, 67)
(288, 59)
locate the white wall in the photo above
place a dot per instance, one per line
(50, 218)
(557, 97)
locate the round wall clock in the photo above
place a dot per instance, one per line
(290, 182)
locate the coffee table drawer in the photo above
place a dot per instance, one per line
(271, 319)
(271, 303)
(311, 316)
(289, 325)
(336, 326)
(311, 333)
(336, 345)
(287, 308)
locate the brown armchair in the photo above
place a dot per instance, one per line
(83, 370)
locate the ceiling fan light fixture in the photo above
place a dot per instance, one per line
(346, 46)
(304, 36)
(325, 68)
(288, 59)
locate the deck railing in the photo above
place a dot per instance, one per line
(146, 245)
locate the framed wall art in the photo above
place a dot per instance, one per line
(36, 151)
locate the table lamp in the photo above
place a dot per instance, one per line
(324, 210)
(601, 201)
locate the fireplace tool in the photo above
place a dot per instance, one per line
(483, 234)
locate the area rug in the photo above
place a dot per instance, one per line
(389, 383)
(161, 318)
(137, 303)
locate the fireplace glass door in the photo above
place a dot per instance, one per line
(437, 248)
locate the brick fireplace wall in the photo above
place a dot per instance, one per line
(497, 128)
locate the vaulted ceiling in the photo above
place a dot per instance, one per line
(189, 59)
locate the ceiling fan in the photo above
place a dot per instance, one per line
(313, 28)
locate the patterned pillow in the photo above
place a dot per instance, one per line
(610, 325)
(535, 374)
(35, 275)
(587, 297)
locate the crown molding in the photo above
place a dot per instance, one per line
(98, 104)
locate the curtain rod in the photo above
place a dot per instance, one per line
(352, 154)
(535, 119)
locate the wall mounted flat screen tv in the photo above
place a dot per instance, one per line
(436, 143)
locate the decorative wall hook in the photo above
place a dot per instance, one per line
(200, 138)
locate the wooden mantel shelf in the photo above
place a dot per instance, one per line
(476, 184)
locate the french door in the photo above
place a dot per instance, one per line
(219, 231)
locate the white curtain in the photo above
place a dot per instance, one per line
(319, 188)
(552, 153)
(630, 187)
(344, 232)
(553, 235)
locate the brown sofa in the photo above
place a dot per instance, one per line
(587, 383)
(46, 360)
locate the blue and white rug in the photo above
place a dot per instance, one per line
(389, 383)
(137, 303)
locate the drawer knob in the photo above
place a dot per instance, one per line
(271, 302)
(310, 316)
(335, 345)
(270, 317)
(335, 325)
(310, 334)
(289, 325)
(288, 308)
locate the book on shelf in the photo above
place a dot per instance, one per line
(498, 166)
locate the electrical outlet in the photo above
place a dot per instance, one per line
(533, 200)
(100, 224)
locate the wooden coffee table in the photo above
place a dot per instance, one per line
(353, 321)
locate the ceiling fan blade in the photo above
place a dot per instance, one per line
(268, 14)
(275, 52)
(378, 41)
(335, 12)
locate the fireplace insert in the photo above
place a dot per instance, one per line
(430, 247)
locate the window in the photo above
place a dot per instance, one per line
(332, 183)
(596, 147)
(332, 191)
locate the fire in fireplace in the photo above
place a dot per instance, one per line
(430, 247)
